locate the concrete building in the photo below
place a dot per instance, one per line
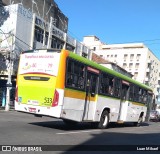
(136, 58)
(44, 9)
(98, 59)
(21, 29)
(31, 24)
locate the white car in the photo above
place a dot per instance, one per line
(154, 115)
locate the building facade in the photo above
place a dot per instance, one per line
(44, 9)
(21, 29)
(27, 25)
(136, 58)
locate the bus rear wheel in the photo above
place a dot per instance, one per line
(104, 120)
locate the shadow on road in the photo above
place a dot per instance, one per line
(60, 125)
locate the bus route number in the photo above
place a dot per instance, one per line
(47, 100)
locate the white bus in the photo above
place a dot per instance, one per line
(64, 85)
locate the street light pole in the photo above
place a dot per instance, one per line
(9, 84)
(9, 70)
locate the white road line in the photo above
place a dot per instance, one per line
(78, 132)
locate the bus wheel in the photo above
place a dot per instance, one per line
(139, 122)
(104, 120)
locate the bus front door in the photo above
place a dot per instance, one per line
(91, 96)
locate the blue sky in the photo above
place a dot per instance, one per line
(115, 21)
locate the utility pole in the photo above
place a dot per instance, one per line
(50, 31)
(10, 59)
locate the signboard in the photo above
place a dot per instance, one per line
(41, 63)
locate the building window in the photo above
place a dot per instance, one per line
(138, 57)
(137, 65)
(125, 57)
(38, 33)
(130, 65)
(135, 75)
(56, 43)
(124, 65)
(131, 57)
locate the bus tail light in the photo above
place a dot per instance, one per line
(16, 94)
(55, 99)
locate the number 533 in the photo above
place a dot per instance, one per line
(47, 100)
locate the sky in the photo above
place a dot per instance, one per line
(115, 21)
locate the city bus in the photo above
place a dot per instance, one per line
(62, 84)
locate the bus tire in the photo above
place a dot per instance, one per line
(104, 120)
(139, 122)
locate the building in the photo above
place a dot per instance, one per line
(44, 9)
(136, 58)
(98, 59)
(31, 24)
(93, 42)
(21, 29)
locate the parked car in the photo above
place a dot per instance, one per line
(154, 115)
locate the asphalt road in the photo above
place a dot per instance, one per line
(20, 129)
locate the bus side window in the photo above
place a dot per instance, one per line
(144, 96)
(124, 94)
(107, 84)
(94, 81)
(81, 76)
(131, 93)
(69, 79)
(140, 94)
(75, 74)
(135, 92)
(104, 84)
(117, 87)
(111, 86)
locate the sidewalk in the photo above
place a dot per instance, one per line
(3, 108)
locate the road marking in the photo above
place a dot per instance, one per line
(78, 132)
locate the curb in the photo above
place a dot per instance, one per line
(3, 109)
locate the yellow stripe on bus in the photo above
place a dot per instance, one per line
(78, 95)
(140, 104)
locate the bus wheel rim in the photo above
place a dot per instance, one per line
(105, 121)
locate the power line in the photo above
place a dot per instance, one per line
(23, 42)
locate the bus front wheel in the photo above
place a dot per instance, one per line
(139, 122)
(104, 120)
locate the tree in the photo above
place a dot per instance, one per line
(4, 14)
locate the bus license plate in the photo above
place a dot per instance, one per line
(32, 110)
